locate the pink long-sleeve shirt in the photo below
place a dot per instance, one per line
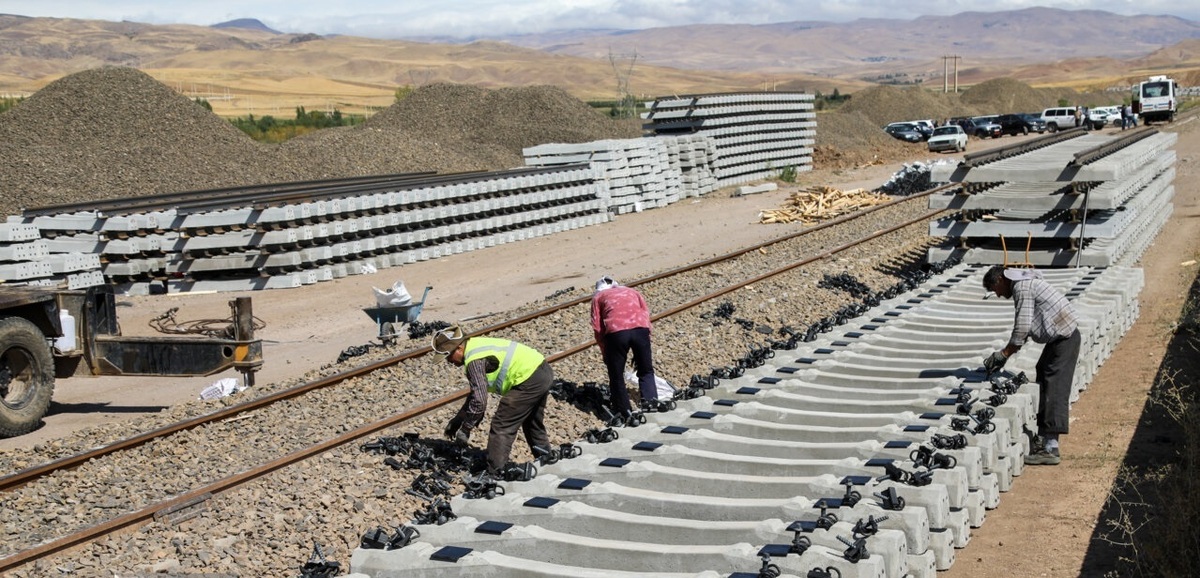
(617, 309)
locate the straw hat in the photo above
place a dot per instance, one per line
(447, 340)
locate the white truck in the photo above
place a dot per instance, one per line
(1155, 99)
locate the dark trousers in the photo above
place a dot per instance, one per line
(617, 346)
(1056, 372)
(523, 407)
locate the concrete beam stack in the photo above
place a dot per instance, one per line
(756, 135)
(27, 259)
(1041, 208)
(318, 236)
(641, 173)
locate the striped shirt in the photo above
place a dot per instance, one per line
(1043, 314)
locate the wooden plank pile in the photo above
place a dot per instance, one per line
(821, 202)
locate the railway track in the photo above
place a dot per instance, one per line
(176, 474)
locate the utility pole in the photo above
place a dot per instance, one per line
(624, 107)
(946, 75)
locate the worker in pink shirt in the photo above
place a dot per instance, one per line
(621, 323)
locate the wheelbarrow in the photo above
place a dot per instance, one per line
(392, 319)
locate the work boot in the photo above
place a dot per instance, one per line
(1043, 457)
(632, 418)
(656, 406)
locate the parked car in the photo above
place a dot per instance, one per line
(1059, 118)
(1035, 121)
(981, 127)
(1111, 115)
(1063, 118)
(905, 131)
(948, 137)
(1015, 124)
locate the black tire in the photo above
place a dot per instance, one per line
(26, 377)
(1053, 128)
(1024, 130)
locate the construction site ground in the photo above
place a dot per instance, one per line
(1048, 525)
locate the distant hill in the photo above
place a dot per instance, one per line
(243, 67)
(246, 24)
(883, 49)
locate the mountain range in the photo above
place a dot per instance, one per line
(243, 65)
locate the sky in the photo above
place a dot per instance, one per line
(475, 18)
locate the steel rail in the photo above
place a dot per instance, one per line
(130, 205)
(271, 195)
(992, 155)
(28, 475)
(204, 493)
(1101, 150)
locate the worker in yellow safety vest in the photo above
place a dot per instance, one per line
(517, 373)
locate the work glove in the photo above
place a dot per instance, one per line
(453, 427)
(995, 362)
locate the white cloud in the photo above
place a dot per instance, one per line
(491, 17)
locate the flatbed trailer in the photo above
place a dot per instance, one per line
(49, 333)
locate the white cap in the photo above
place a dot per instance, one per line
(605, 282)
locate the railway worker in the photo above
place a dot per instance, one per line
(517, 373)
(621, 324)
(1044, 315)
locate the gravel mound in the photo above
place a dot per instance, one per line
(512, 118)
(115, 132)
(886, 104)
(1003, 95)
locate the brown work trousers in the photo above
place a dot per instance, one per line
(523, 407)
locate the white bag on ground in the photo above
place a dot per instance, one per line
(665, 389)
(221, 388)
(394, 297)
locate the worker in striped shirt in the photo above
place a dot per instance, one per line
(1044, 315)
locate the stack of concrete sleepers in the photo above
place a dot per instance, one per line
(756, 135)
(640, 173)
(311, 238)
(883, 436)
(28, 259)
(1039, 208)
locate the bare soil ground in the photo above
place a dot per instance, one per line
(1046, 526)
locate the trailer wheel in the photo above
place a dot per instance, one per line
(26, 376)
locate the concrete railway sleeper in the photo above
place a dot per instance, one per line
(792, 498)
(758, 451)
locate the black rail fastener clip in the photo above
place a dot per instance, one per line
(319, 567)
(868, 526)
(380, 539)
(482, 486)
(948, 442)
(856, 550)
(851, 497)
(827, 519)
(598, 436)
(890, 500)
(800, 543)
(826, 572)
(768, 569)
(519, 472)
